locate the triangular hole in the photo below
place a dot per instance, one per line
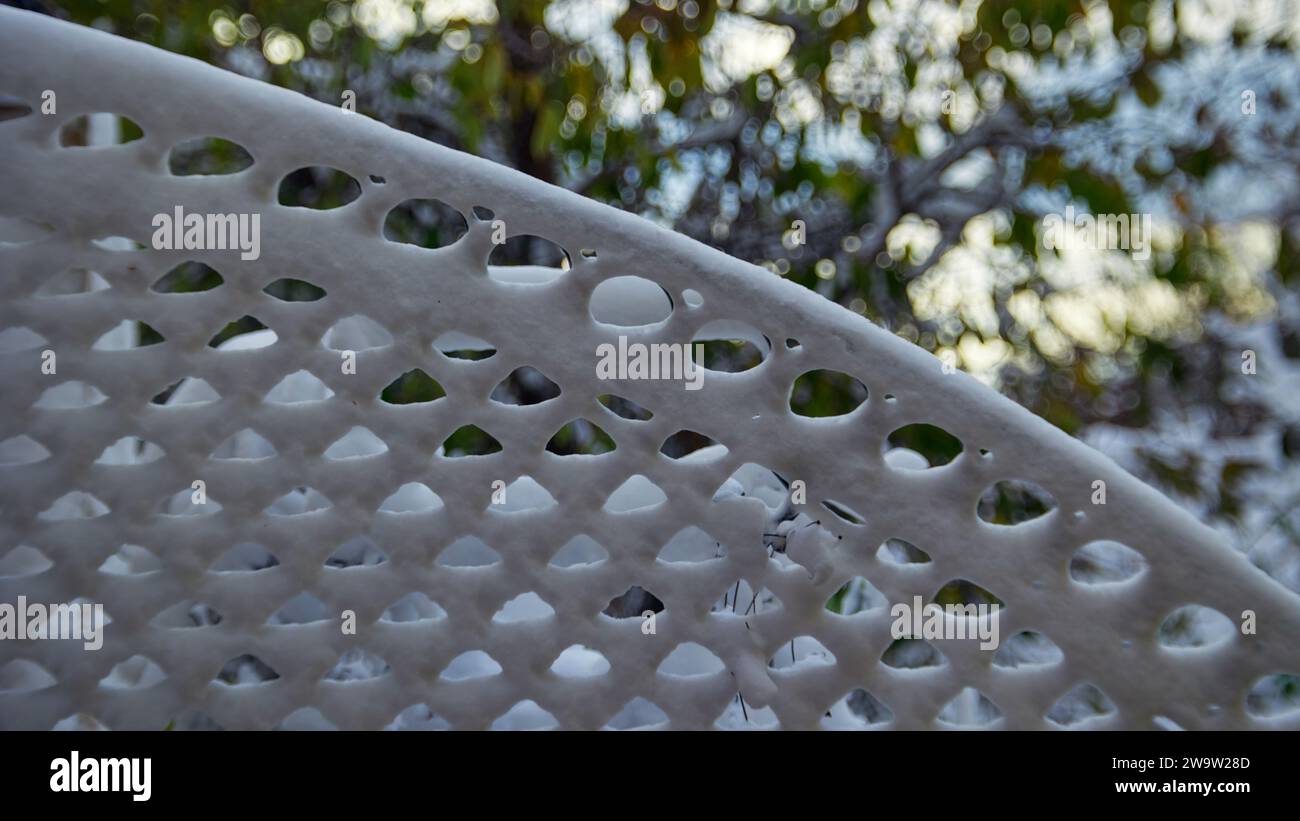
(740, 599)
(73, 282)
(686, 443)
(801, 652)
(22, 450)
(188, 278)
(525, 386)
(624, 408)
(418, 717)
(356, 333)
(636, 493)
(899, 551)
(580, 437)
(130, 450)
(970, 708)
(412, 497)
(306, 719)
(633, 603)
(246, 670)
(357, 443)
(524, 607)
(244, 444)
(356, 552)
(691, 545)
(245, 557)
(468, 551)
(471, 664)
(76, 504)
(188, 391)
(298, 502)
(524, 494)
(136, 673)
(580, 551)
(912, 654)
(71, 395)
(411, 388)
(1027, 649)
(358, 665)
(689, 659)
(413, 607)
(470, 440)
(244, 334)
(127, 335)
(131, 560)
(580, 661)
(526, 715)
(857, 595)
(303, 608)
(638, 714)
(24, 561)
(299, 386)
(187, 615)
(1083, 703)
(856, 711)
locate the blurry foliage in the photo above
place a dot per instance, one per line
(916, 143)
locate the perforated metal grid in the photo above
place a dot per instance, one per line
(1107, 634)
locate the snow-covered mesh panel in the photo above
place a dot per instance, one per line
(230, 613)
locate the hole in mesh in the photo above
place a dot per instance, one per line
(692, 298)
(625, 408)
(470, 665)
(740, 716)
(298, 387)
(377, 180)
(245, 557)
(1193, 627)
(24, 676)
(246, 670)
(303, 608)
(412, 497)
(912, 654)
(637, 714)
(857, 710)
(130, 450)
(580, 661)
(72, 282)
(729, 346)
(13, 108)
(579, 551)
(70, 396)
(75, 504)
(188, 391)
(357, 443)
(287, 289)
(131, 560)
(1027, 649)
(413, 607)
(636, 493)
(79, 722)
(687, 442)
(428, 223)
(524, 493)
(1010, 502)
(800, 653)
(127, 335)
(359, 551)
(633, 603)
(691, 545)
(99, 129)
(1105, 562)
(900, 551)
(456, 345)
(741, 599)
(319, 187)
(752, 480)
(306, 719)
(15, 231)
(194, 721)
(526, 715)
(244, 444)
(299, 502)
(524, 607)
(22, 450)
(857, 595)
(468, 551)
(136, 673)
(469, 440)
(356, 333)
(965, 594)
(844, 513)
(580, 437)
(629, 302)
(1084, 702)
(525, 385)
(970, 708)
(14, 340)
(418, 717)
(689, 659)
(793, 344)
(358, 665)
(1274, 695)
(528, 251)
(188, 278)
(413, 387)
(116, 244)
(823, 393)
(924, 443)
(244, 334)
(187, 615)
(208, 156)
(24, 561)
(482, 213)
